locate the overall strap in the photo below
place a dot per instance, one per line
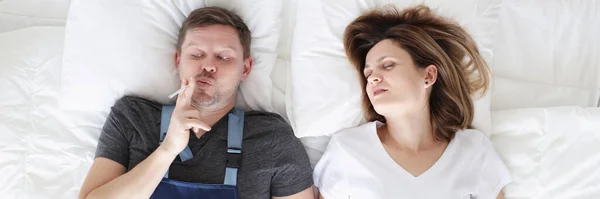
(165, 119)
(235, 131)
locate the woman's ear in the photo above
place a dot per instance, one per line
(431, 73)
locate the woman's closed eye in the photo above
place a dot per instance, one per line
(388, 66)
(368, 73)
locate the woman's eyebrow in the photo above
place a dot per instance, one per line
(376, 61)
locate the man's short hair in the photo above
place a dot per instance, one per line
(216, 16)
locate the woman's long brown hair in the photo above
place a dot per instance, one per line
(430, 40)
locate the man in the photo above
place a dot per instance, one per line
(213, 57)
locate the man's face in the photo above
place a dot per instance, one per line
(214, 56)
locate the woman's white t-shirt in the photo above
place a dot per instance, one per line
(355, 165)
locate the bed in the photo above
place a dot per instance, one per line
(542, 113)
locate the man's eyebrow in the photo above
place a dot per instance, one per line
(191, 44)
(232, 48)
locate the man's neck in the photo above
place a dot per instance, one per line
(211, 115)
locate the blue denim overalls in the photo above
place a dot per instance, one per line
(169, 188)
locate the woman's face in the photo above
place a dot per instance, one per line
(394, 84)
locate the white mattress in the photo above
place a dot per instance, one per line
(46, 152)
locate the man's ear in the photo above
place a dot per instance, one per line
(177, 58)
(247, 68)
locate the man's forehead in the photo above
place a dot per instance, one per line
(224, 30)
(192, 45)
(225, 36)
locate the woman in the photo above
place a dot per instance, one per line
(418, 71)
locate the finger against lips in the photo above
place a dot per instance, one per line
(191, 87)
(181, 94)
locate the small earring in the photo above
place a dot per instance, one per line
(426, 82)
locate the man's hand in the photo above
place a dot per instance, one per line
(108, 179)
(184, 118)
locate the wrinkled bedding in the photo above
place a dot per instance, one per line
(552, 151)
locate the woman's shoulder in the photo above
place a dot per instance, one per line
(485, 162)
(475, 146)
(471, 138)
(346, 143)
(471, 143)
(344, 151)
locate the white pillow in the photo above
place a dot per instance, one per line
(547, 55)
(325, 88)
(115, 48)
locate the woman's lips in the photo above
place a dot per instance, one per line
(378, 91)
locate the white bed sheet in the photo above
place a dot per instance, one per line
(552, 153)
(17, 14)
(39, 158)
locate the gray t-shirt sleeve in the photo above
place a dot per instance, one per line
(113, 143)
(292, 170)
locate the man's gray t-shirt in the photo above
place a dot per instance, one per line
(274, 162)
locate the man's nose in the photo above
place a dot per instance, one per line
(209, 66)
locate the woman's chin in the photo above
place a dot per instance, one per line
(382, 108)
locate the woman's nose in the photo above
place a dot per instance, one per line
(374, 79)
